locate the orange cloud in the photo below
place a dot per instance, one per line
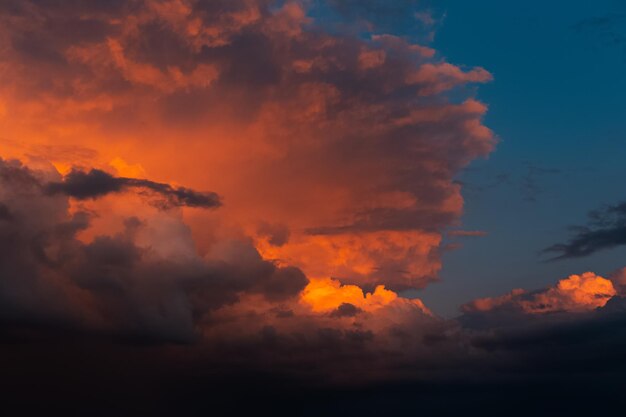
(328, 135)
(577, 293)
(324, 295)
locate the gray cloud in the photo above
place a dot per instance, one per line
(112, 284)
(96, 183)
(606, 229)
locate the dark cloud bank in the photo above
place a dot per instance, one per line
(111, 328)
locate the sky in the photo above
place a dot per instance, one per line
(321, 207)
(556, 105)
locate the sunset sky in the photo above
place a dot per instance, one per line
(300, 206)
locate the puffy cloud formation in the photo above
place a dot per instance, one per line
(328, 294)
(577, 293)
(94, 309)
(332, 144)
(145, 281)
(350, 143)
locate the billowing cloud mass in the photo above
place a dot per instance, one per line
(145, 281)
(333, 155)
(324, 147)
(349, 142)
(576, 293)
(141, 305)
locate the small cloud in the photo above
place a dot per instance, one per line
(576, 293)
(467, 233)
(606, 229)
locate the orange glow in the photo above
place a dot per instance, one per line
(489, 303)
(361, 256)
(124, 169)
(362, 192)
(324, 295)
(576, 293)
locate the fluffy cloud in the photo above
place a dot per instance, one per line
(140, 304)
(577, 293)
(333, 154)
(350, 143)
(125, 283)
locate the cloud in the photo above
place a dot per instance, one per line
(144, 282)
(96, 183)
(335, 149)
(619, 281)
(141, 304)
(344, 139)
(467, 233)
(576, 293)
(606, 230)
(335, 152)
(120, 283)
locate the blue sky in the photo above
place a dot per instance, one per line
(557, 104)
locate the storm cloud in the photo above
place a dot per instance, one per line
(333, 142)
(343, 140)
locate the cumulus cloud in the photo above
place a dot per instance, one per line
(330, 295)
(576, 293)
(145, 282)
(335, 154)
(143, 296)
(115, 283)
(342, 140)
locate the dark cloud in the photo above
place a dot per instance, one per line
(112, 285)
(122, 324)
(5, 214)
(96, 183)
(276, 234)
(606, 229)
(359, 111)
(114, 316)
(346, 310)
